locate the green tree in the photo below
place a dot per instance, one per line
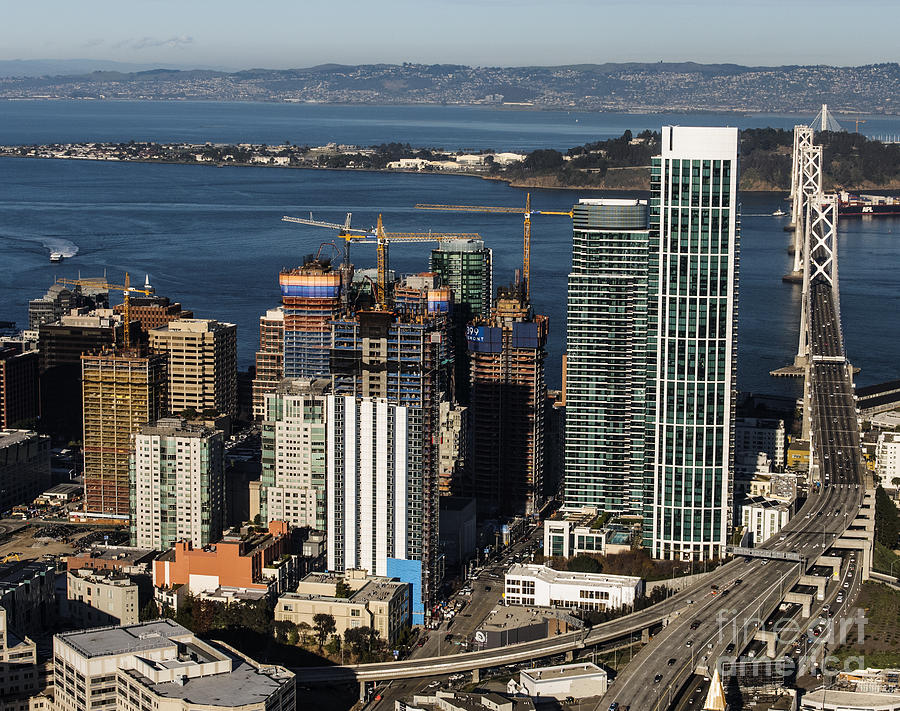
(341, 589)
(150, 611)
(283, 629)
(293, 637)
(324, 626)
(584, 564)
(887, 519)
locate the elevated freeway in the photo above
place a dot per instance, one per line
(836, 470)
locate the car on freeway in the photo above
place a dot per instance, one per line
(690, 643)
(657, 678)
(670, 662)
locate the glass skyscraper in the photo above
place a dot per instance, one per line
(606, 357)
(692, 344)
(651, 349)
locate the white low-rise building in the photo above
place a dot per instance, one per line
(764, 518)
(579, 681)
(545, 587)
(887, 457)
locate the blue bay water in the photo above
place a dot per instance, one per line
(212, 237)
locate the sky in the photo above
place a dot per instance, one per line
(240, 34)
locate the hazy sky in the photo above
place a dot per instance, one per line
(299, 33)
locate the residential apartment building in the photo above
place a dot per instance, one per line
(292, 482)
(20, 679)
(161, 665)
(691, 364)
(24, 467)
(538, 585)
(376, 602)
(753, 435)
(122, 392)
(398, 368)
(466, 267)
(453, 449)
(101, 598)
(887, 458)
(764, 518)
(177, 485)
(606, 357)
(202, 362)
(253, 561)
(269, 359)
(311, 299)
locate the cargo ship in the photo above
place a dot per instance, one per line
(850, 205)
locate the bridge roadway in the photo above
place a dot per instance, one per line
(824, 516)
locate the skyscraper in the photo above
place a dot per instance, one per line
(606, 345)
(508, 392)
(404, 359)
(122, 391)
(177, 485)
(651, 349)
(311, 298)
(269, 359)
(692, 348)
(465, 265)
(202, 357)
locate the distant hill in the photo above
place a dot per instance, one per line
(67, 67)
(632, 86)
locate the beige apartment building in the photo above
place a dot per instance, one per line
(160, 665)
(380, 603)
(97, 598)
(202, 357)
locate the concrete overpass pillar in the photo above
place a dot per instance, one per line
(363, 692)
(771, 640)
(570, 656)
(801, 599)
(645, 635)
(815, 581)
(830, 561)
(476, 675)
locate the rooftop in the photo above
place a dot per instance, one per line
(245, 684)
(850, 700)
(16, 573)
(568, 577)
(563, 671)
(110, 641)
(11, 437)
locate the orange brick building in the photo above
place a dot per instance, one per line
(258, 561)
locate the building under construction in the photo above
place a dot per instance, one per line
(405, 357)
(122, 391)
(508, 392)
(311, 299)
(269, 359)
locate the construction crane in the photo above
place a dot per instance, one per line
(380, 238)
(126, 289)
(858, 121)
(527, 212)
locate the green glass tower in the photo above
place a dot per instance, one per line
(465, 266)
(692, 345)
(606, 356)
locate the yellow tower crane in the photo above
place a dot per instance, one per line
(126, 289)
(380, 238)
(527, 212)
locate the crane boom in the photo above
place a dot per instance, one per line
(526, 212)
(381, 238)
(126, 290)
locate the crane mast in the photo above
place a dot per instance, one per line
(527, 212)
(381, 239)
(126, 289)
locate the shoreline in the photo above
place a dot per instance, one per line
(535, 184)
